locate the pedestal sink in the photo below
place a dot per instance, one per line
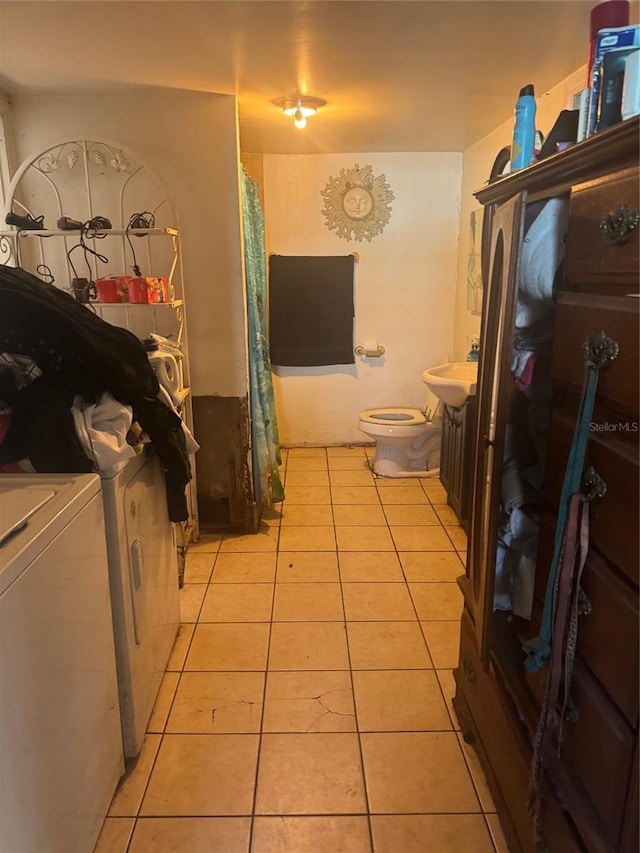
(453, 383)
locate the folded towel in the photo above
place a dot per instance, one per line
(311, 310)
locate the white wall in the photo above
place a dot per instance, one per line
(477, 163)
(190, 139)
(404, 287)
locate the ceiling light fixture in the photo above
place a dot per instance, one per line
(302, 108)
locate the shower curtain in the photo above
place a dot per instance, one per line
(264, 427)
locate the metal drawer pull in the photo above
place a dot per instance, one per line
(616, 226)
(593, 485)
(600, 349)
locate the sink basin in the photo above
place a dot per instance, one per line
(453, 383)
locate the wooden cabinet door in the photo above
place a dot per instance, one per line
(492, 400)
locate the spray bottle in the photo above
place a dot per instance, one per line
(524, 130)
(165, 367)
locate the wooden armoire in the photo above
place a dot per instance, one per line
(587, 785)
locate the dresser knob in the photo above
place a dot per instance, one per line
(615, 227)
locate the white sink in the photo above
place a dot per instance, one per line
(453, 383)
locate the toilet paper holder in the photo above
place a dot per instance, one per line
(369, 351)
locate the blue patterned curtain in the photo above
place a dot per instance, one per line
(264, 427)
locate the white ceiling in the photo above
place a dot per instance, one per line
(397, 76)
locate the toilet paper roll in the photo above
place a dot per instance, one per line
(371, 348)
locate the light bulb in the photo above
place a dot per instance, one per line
(298, 119)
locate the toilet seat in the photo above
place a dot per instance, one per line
(393, 416)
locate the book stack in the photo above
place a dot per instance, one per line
(614, 80)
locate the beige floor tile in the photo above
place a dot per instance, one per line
(306, 453)
(436, 491)
(423, 772)
(259, 567)
(198, 567)
(308, 645)
(437, 601)
(306, 495)
(443, 642)
(399, 482)
(352, 495)
(307, 463)
(180, 647)
(458, 537)
(162, 706)
(237, 602)
(202, 775)
(355, 462)
(409, 514)
(353, 451)
(271, 515)
(446, 514)
(311, 602)
(217, 703)
(310, 774)
(399, 701)
(350, 478)
(191, 598)
(387, 645)
(309, 702)
(191, 835)
(448, 687)
(306, 478)
(266, 539)
(442, 833)
(402, 495)
(418, 538)
(306, 514)
(311, 835)
(207, 543)
(497, 835)
(308, 538)
(369, 566)
(307, 566)
(477, 775)
(377, 602)
(364, 539)
(359, 514)
(229, 647)
(127, 798)
(114, 835)
(431, 565)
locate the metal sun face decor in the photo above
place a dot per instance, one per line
(357, 204)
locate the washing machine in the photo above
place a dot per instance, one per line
(143, 571)
(60, 737)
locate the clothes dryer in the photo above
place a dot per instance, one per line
(143, 569)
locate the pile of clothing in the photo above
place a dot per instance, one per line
(77, 394)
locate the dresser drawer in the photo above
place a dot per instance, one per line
(579, 318)
(598, 750)
(611, 655)
(592, 261)
(614, 456)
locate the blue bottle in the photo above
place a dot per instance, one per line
(524, 130)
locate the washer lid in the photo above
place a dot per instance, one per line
(34, 509)
(17, 506)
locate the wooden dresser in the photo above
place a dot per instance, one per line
(588, 785)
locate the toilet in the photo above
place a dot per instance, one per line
(407, 444)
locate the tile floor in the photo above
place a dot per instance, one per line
(306, 705)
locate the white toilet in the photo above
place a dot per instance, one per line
(407, 444)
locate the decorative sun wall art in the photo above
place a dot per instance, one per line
(357, 204)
